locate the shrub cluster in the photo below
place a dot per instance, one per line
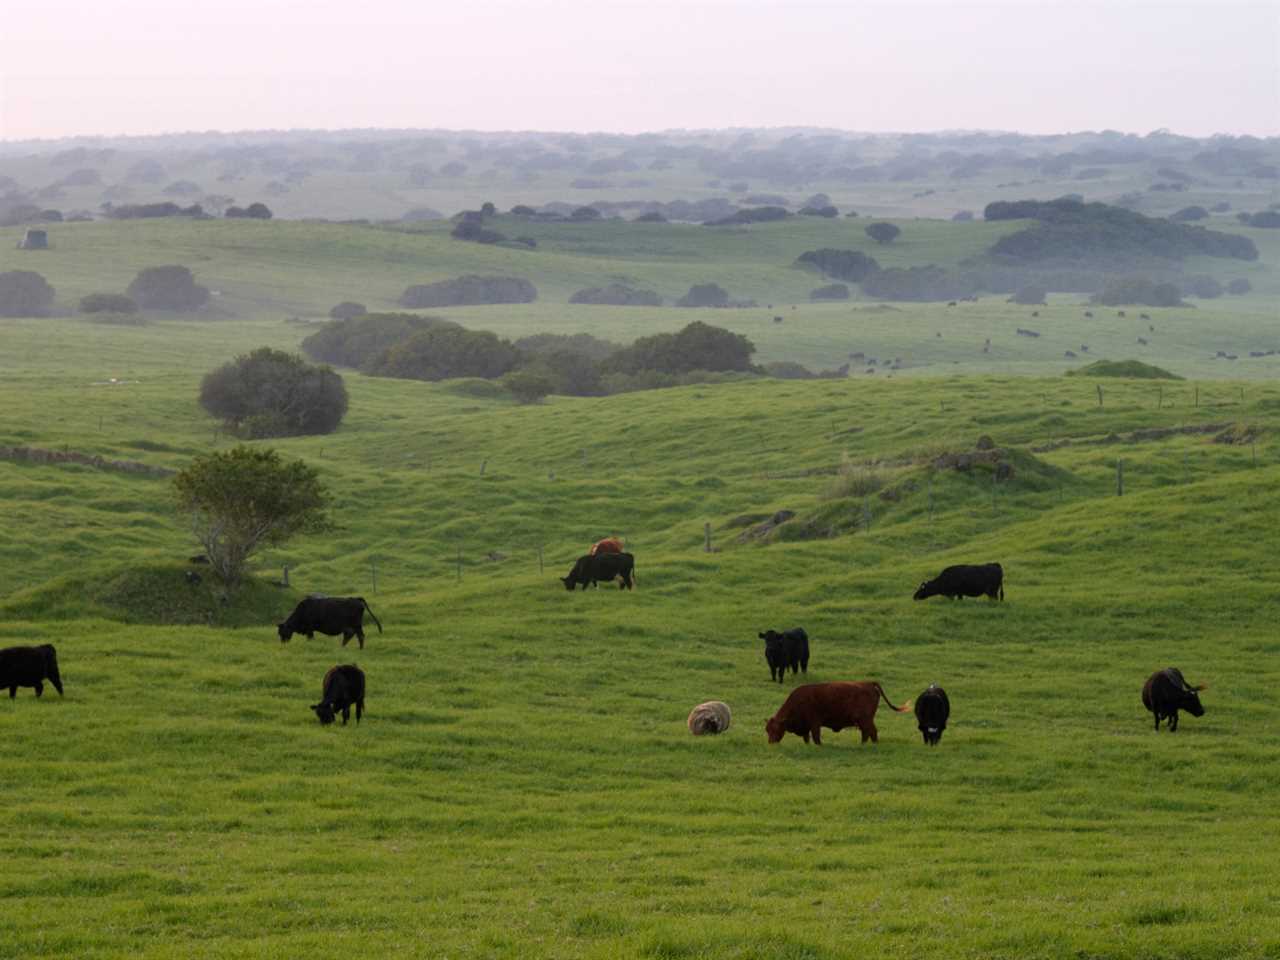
(426, 348)
(108, 303)
(1097, 232)
(142, 211)
(254, 211)
(1138, 290)
(469, 290)
(852, 266)
(617, 294)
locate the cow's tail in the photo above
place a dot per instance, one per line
(635, 582)
(371, 613)
(902, 709)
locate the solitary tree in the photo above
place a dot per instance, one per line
(882, 232)
(242, 500)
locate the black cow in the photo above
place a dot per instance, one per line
(1166, 692)
(965, 580)
(790, 648)
(343, 686)
(328, 615)
(932, 710)
(589, 570)
(29, 667)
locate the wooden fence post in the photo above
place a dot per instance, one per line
(483, 464)
(540, 567)
(706, 535)
(1119, 477)
(284, 575)
(1099, 386)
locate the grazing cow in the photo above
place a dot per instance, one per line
(790, 648)
(1166, 692)
(932, 710)
(589, 570)
(1119, 313)
(1143, 341)
(710, 717)
(1089, 314)
(965, 580)
(343, 686)
(29, 667)
(330, 616)
(833, 705)
(607, 545)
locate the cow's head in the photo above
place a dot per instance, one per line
(775, 728)
(770, 638)
(1189, 699)
(324, 711)
(569, 582)
(285, 631)
(51, 667)
(924, 591)
(931, 734)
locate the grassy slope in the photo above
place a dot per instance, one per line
(523, 783)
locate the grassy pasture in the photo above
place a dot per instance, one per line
(523, 784)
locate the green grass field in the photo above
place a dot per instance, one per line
(523, 783)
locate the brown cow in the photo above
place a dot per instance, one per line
(834, 705)
(607, 545)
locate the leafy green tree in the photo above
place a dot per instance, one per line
(882, 232)
(245, 499)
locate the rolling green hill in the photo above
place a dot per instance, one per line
(523, 783)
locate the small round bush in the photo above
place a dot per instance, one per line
(24, 293)
(270, 393)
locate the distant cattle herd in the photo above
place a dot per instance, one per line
(836, 705)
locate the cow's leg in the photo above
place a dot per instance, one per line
(13, 692)
(39, 688)
(346, 713)
(869, 732)
(816, 732)
(359, 709)
(1157, 720)
(346, 637)
(360, 637)
(1173, 722)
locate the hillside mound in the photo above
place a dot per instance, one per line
(157, 593)
(1130, 369)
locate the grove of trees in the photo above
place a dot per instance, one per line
(24, 293)
(169, 287)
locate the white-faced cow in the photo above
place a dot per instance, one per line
(343, 686)
(29, 667)
(965, 580)
(932, 710)
(589, 570)
(1166, 692)
(330, 616)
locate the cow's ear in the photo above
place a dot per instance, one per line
(762, 636)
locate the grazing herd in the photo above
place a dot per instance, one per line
(835, 705)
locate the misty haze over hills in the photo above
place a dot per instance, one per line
(390, 174)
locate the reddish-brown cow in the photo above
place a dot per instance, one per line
(833, 705)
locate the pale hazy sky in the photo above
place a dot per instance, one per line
(70, 67)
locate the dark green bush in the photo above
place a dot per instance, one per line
(269, 393)
(469, 290)
(167, 288)
(24, 293)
